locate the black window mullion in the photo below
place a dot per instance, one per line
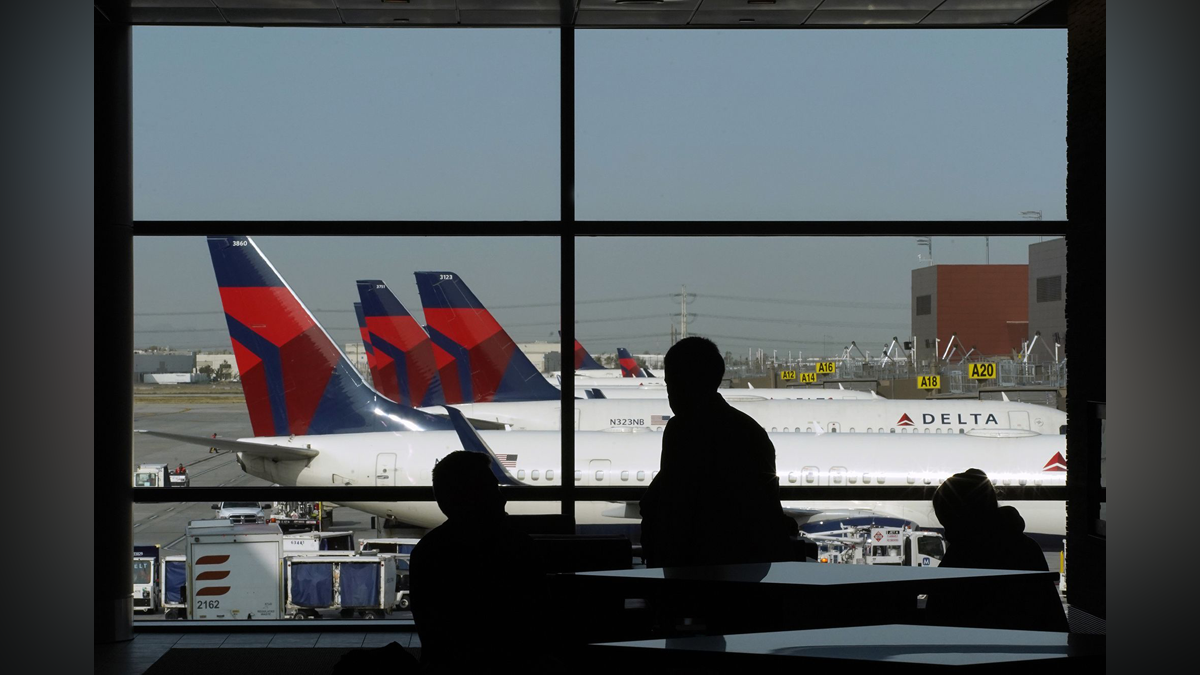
(566, 94)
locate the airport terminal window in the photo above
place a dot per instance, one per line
(319, 124)
(878, 125)
(614, 275)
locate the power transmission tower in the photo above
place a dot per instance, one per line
(683, 296)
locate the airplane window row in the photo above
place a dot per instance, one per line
(641, 475)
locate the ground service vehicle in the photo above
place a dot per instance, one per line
(145, 579)
(160, 475)
(869, 545)
(294, 517)
(242, 512)
(234, 571)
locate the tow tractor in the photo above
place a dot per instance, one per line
(160, 475)
(145, 579)
(870, 545)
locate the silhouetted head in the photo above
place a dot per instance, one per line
(694, 368)
(465, 488)
(964, 502)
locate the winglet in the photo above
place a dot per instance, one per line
(473, 442)
(819, 429)
(749, 386)
(1004, 397)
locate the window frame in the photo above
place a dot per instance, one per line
(569, 230)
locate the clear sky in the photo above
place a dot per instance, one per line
(241, 123)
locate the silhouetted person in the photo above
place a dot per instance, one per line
(477, 584)
(984, 535)
(715, 499)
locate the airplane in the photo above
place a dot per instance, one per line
(629, 366)
(531, 406)
(408, 368)
(882, 416)
(489, 365)
(315, 423)
(366, 338)
(584, 360)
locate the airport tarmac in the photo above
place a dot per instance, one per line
(164, 524)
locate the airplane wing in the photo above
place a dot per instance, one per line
(280, 452)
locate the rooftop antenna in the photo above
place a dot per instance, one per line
(928, 243)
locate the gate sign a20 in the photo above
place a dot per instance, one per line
(982, 371)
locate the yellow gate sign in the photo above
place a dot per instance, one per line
(929, 382)
(826, 368)
(787, 375)
(807, 378)
(982, 371)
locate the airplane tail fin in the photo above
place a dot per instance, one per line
(629, 366)
(295, 379)
(489, 365)
(584, 360)
(408, 372)
(362, 331)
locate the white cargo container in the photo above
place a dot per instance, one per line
(314, 542)
(234, 571)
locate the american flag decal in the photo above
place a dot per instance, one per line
(659, 419)
(508, 461)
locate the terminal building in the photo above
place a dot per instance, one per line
(995, 310)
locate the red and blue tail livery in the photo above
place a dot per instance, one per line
(584, 360)
(362, 331)
(408, 372)
(629, 366)
(489, 365)
(295, 379)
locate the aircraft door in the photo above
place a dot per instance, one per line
(385, 468)
(598, 472)
(837, 475)
(1018, 419)
(834, 427)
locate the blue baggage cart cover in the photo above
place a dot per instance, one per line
(311, 584)
(360, 584)
(176, 577)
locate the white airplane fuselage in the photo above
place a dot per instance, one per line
(660, 391)
(848, 416)
(609, 459)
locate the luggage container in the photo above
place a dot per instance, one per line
(234, 571)
(312, 542)
(174, 586)
(363, 585)
(402, 547)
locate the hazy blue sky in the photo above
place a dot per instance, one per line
(463, 124)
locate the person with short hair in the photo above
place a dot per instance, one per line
(473, 574)
(716, 473)
(982, 534)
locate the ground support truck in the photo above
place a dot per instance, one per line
(351, 584)
(869, 545)
(234, 571)
(145, 579)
